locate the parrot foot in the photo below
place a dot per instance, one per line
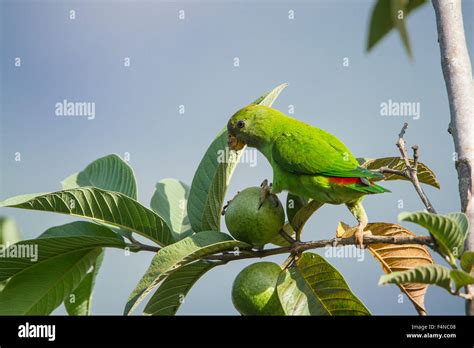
(266, 191)
(359, 236)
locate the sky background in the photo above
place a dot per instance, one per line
(190, 62)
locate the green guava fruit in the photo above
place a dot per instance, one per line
(247, 223)
(254, 290)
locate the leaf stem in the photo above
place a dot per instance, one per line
(137, 246)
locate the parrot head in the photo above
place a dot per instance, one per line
(250, 126)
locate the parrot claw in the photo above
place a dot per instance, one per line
(265, 191)
(359, 236)
(358, 211)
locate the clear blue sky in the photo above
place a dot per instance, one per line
(191, 62)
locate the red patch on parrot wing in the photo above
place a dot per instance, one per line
(344, 181)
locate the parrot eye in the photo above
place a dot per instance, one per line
(240, 124)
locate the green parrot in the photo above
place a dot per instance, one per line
(306, 161)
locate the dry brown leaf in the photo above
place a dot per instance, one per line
(424, 173)
(394, 257)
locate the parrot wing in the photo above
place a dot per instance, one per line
(313, 151)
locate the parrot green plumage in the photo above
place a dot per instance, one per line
(306, 161)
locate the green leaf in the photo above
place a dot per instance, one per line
(314, 287)
(109, 173)
(170, 295)
(463, 223)
(461, 278)
(296, 296)
(269, 98)
(210, 185)
(380, 23)
(425, 174)
(449, 230)
(362, 160)
(430, 274)
(79, 302)
(41, 288)
(385, 17)
(398, 19)
(178, 254)
(9, 232)
(280, 240)
(293, 204)
(298, 212)
(170, 202)
(303, 215)
(213, 176)
(101, 206)
(467, 261)
(54, 243)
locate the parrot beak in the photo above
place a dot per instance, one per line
(234, 143)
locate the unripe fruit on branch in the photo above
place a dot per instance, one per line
(249, 223)
(254, 290)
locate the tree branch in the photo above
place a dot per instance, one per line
(457, 73)
(299, 247)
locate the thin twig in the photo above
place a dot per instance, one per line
(411, 170)
(415, 149)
